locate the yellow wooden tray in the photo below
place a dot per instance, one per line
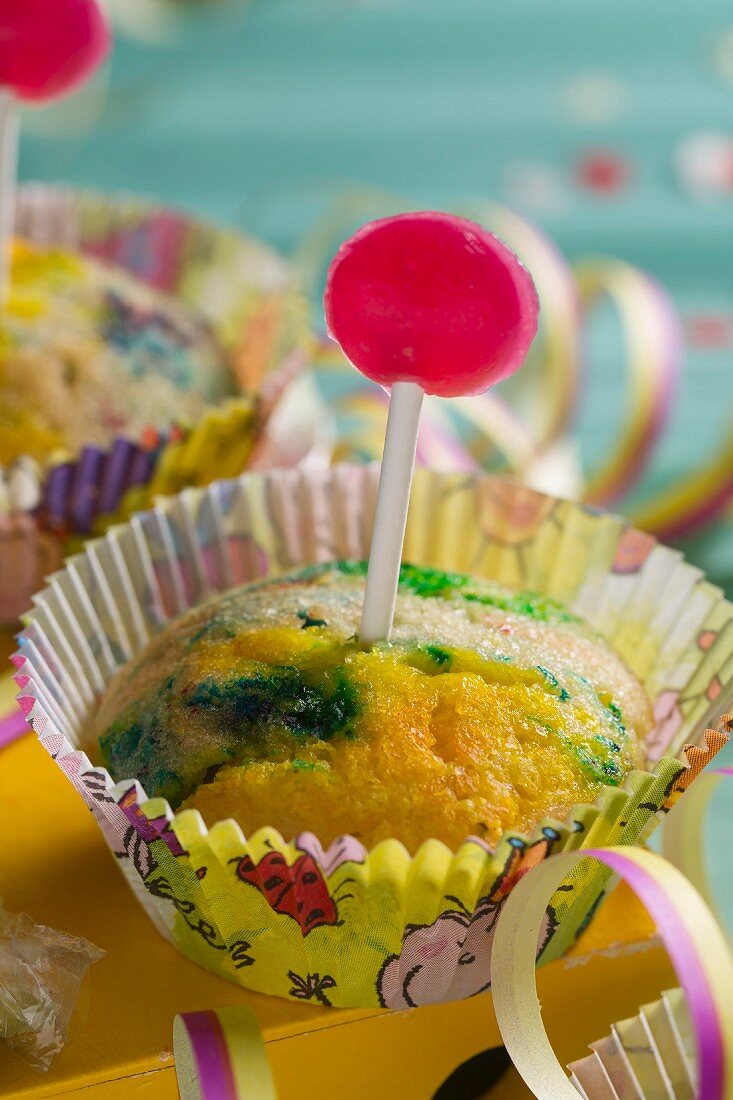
(120, 1040)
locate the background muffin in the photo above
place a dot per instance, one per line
(88, 353)
(231, 302)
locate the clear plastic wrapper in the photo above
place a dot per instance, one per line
(41, 971)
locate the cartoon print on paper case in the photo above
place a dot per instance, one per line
(152, 249)
(451, 958)
(673, 707)
(512, 517)
(155, 851)
(299, 891)
(633, 549)
(312, 987)
(697, 758)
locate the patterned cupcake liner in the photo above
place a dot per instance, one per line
(345, 926)
(239, 286)
(644, 1056)
(246, 294)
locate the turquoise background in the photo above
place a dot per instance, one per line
(259, 114)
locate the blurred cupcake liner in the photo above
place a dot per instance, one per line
(246, 294)
(344, 926)
(238, 285)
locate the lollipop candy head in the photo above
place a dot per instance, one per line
(433, 299)
(47, 47)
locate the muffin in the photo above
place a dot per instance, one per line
(89, 353)
(489, 709)
(347, 923)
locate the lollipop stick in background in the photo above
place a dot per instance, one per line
(422, 303)
(47, 48)
(390, 518)
(8, 173)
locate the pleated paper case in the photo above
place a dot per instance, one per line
(392, 930)
(247, 295)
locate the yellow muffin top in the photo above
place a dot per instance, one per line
(488, 710)
(88, 353)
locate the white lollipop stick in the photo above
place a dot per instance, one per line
(393, 498)
(8, 171)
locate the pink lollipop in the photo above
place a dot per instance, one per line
(422, 303)
(47, 47)
(433, 299)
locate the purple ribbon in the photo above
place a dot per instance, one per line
(11, 727)
(210, 1050)
(683, 955)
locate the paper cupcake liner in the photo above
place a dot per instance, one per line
(102, 487)
(356, 927)
(246, 294)
(644, 1056)
(239, 286)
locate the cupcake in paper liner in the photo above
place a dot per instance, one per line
(125, 315)
(337, 923)
(90, 353)
(135, 339)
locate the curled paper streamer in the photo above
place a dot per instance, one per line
(693, 502)
(488, 417)
(220, 1055)
(696, 946)
(654, 345)
(683, 837)
(560, 340)
(443, 443)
